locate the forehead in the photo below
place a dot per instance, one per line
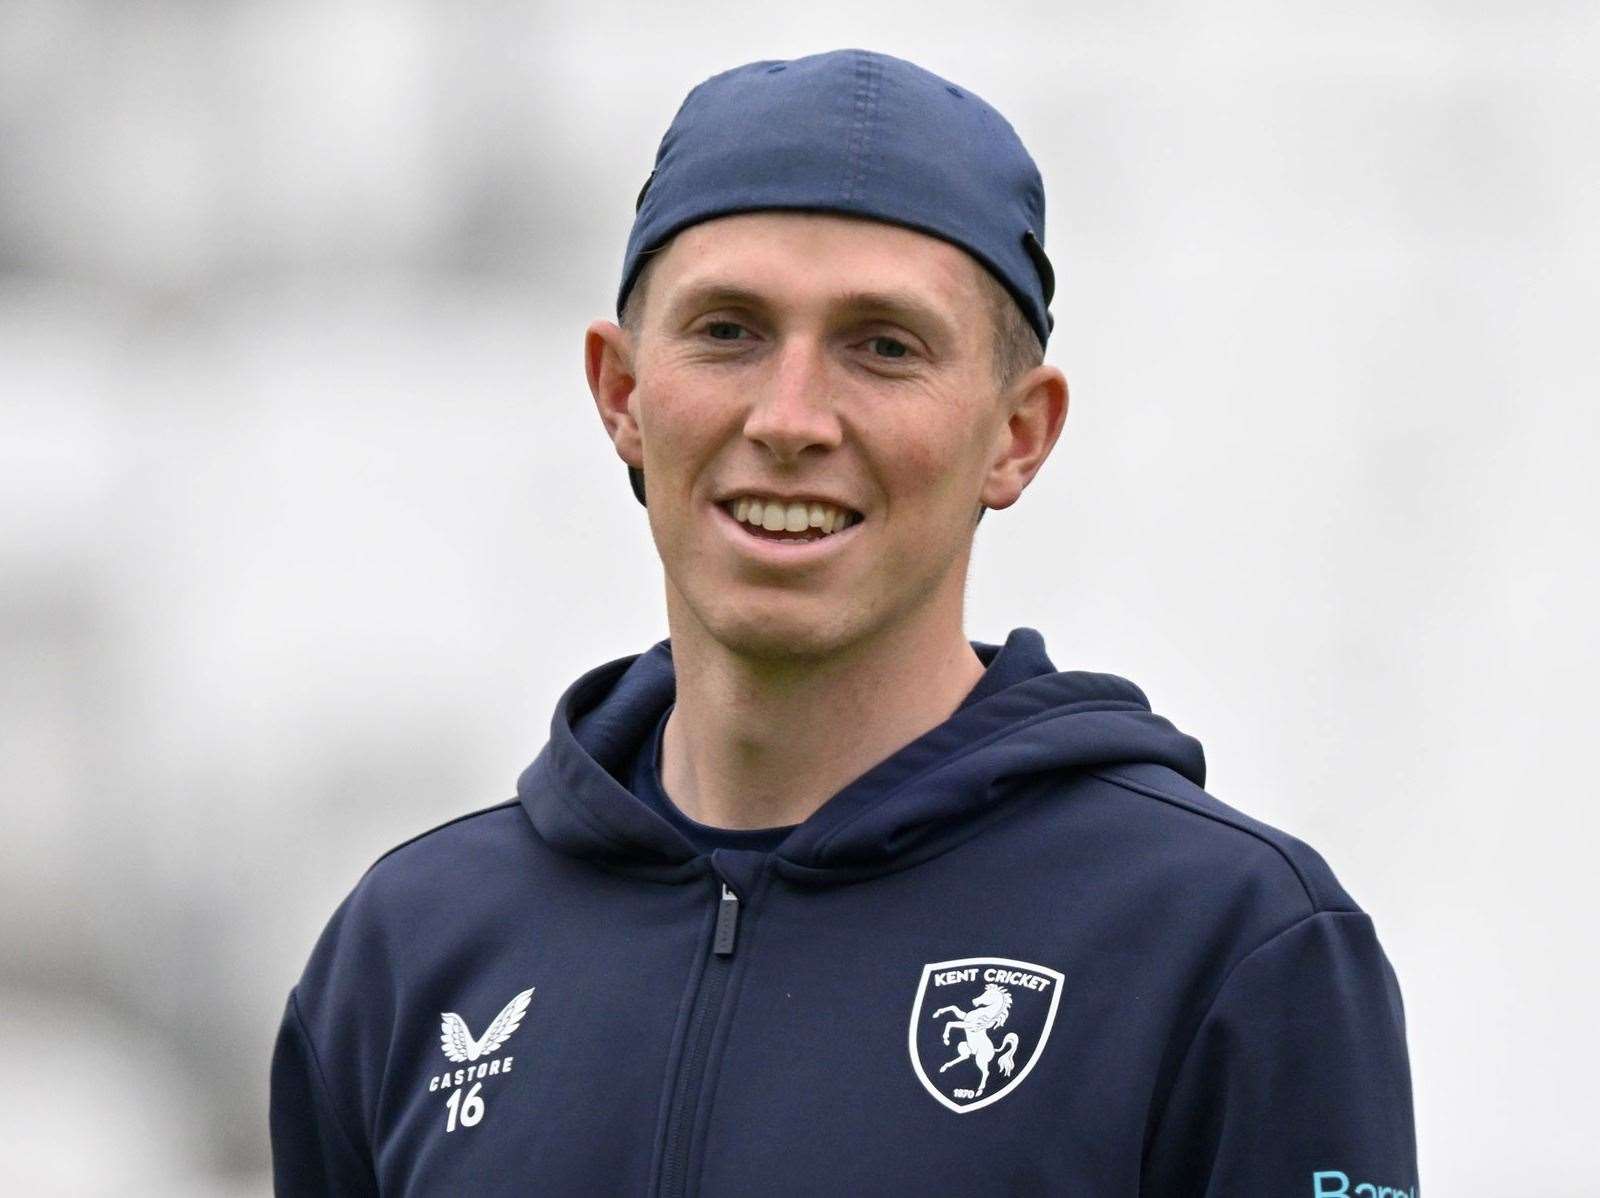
(804, 255)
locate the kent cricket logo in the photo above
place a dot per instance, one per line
(455, 1038)
(978, 1026)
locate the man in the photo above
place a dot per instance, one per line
(817, 896)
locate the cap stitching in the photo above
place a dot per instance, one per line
(860, 125)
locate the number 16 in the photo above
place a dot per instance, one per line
(470, 1111)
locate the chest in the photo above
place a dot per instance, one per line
(835, 1043)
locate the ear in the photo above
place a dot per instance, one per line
(608, 362)
(1036, 407)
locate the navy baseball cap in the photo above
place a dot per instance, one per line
(859, 133)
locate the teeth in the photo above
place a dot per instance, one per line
(789, 517)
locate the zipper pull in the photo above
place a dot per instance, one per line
(727, 923)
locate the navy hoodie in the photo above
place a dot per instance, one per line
(1024, 954)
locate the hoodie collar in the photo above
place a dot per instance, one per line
(921, 800)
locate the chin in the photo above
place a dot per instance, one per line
(794, 635)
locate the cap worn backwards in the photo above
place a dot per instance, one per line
(859, 133)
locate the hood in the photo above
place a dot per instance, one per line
(923, 799)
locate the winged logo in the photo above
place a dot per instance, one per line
(456, 1039)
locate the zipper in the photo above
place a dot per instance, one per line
(674, 1178)
(727, 923)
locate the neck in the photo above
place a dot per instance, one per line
(760, 742)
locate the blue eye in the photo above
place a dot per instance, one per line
(711, 330)
(899, 348)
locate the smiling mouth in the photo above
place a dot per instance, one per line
(784, 536)
(798, 538)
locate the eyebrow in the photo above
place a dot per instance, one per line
(904, 306)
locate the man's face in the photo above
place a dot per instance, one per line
(783, 355)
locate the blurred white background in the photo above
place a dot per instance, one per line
(306, 517)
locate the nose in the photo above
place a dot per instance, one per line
(793, 407)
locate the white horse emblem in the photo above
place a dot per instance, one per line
(989, 1010)
(995, 1012)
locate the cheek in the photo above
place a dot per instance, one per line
(933, 459)
(677, 417)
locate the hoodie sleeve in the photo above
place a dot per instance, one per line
(1297, 1080)
(312, 1152)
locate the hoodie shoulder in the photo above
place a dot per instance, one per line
(434, 867)
(459, 833)
(361, 936)
(401, 908)
(1311, 874)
